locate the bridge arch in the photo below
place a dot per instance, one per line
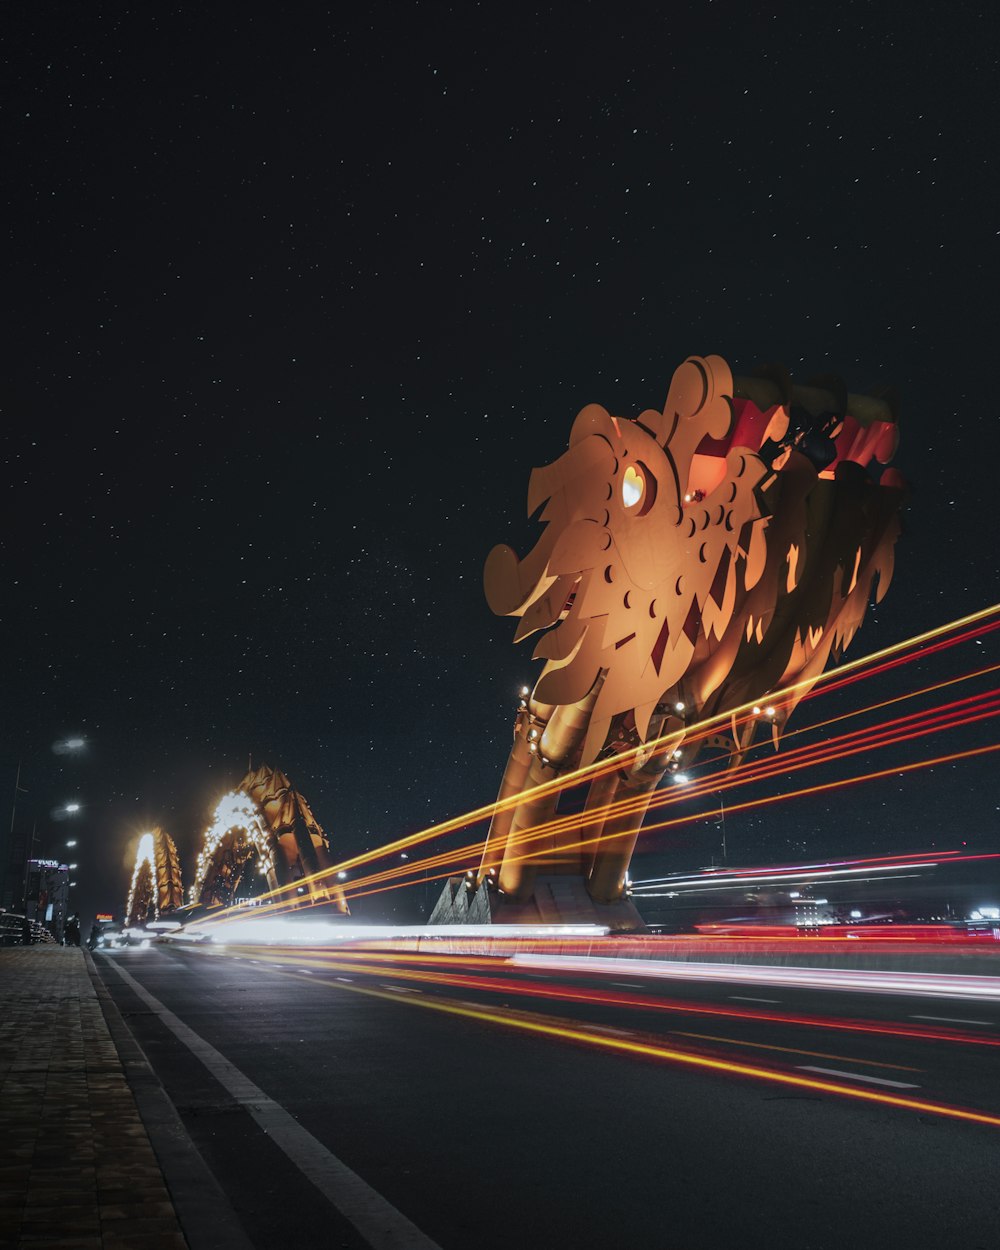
(156, 888)
(264, 828)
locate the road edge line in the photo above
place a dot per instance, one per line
(205, 1214)
(373, 1216)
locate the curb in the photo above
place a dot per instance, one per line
(203, 1210)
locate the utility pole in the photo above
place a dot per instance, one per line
(7, 863)
(29, 850)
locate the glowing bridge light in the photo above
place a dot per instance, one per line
(235, 816)
(156, 880)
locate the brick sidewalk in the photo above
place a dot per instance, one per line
(76, 1166)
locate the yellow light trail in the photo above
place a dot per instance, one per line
(403, 876)
(413, 873)
(543, 1026)
(785, 765)
(426, 971)
(600, 768)
(749, 805)
(760, 770)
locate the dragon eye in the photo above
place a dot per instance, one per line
(633, 487)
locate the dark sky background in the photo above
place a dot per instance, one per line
(296, 297)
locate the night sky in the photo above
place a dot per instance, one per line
(296, 297)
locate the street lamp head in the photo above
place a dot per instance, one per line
(69, 746)
(72, 808)
(71, 842)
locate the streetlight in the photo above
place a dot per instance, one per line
(69, 746)
(71, 842)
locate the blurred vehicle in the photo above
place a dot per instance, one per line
(106, 936)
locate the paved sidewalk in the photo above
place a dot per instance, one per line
(76, 1166)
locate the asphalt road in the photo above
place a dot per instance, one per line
(468, 1109)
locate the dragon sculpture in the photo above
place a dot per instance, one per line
(264, 826)
(694, 560)
(156, 889)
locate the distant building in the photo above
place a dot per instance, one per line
(47, 895)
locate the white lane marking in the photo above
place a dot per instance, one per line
(951, 1020)
(857, 1076)
(399, 989)
(346, 980)
(629, 985)
(607, 1028)
(375, 1218)
(745, 998)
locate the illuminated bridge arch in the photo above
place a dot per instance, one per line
(156, 879)
(263, 828)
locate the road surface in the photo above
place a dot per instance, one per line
(495, 1113)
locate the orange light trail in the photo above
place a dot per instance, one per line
(418, 872)
(386, 963)
(851, 744)
(592, 771)
(549, 1027)
(943, 645)
(748, 805)
(907, 728)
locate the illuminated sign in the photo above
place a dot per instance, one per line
(103, 915)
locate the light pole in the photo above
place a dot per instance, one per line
(71, 746)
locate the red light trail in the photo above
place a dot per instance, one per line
(911, 727)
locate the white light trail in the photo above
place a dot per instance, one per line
(926, 984)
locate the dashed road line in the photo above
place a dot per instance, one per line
(858, 1076)
(795, 1050)
(953, 1020)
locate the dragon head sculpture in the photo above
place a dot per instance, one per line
(700, 557)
